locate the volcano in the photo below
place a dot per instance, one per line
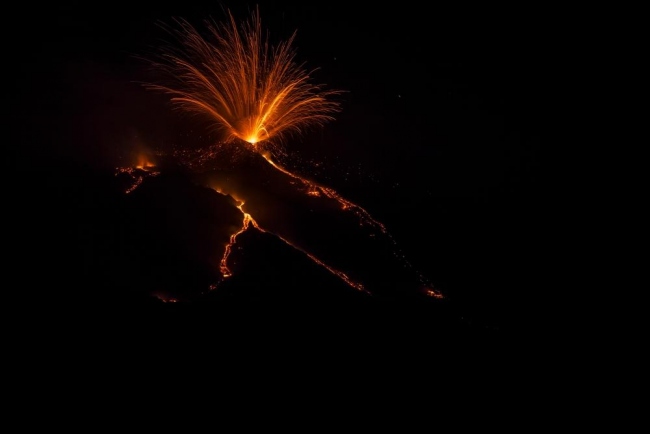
(426, 184)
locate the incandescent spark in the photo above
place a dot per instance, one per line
(248, 88)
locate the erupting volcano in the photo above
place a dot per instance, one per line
(183, 159)
(256, 96)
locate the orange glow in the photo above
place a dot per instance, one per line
(165, 298)
(433, 293)
(137, 174)
(223, 266)
(247, 221)
(249, 89)
(144, 163)
(314, 189)
(365, 219)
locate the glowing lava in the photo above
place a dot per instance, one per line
(248, 89)
(137, 174)
(364, 216)
(225, 271)
(248, 220)
(314, 189)
(165, 298)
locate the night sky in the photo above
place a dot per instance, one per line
(442, 122)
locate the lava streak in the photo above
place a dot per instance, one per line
(314, 189)
(254, 92)
(136, 175)
(248, 220)
(246, 87)
(225, 271)
(364, 216)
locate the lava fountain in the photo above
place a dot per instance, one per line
(249, 89)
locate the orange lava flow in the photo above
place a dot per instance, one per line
(165, 298)
(314, 189)
(341, 275)
(248, 220)
(223, 266)
(433, 293)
